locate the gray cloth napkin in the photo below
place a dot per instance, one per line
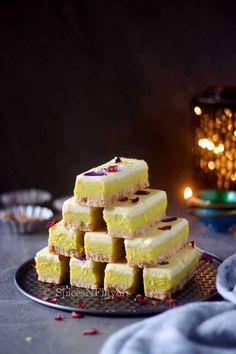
(226, 279)
(197, 328)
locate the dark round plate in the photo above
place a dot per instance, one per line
(201, 287)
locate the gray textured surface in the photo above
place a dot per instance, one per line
(21, 317)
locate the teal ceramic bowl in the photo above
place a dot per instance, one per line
(217, 220)
(213, 199)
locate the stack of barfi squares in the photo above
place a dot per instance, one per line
(115, 234)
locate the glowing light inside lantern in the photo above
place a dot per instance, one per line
(211, 165)
(206, 144)
(188, 193)
(215, 140)
(197, 111)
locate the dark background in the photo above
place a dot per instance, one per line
(83, 81)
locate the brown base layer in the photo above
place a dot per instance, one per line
(85, 284)
(54, 280)
(66, 252)
(164, 295)
(79, 225)
(136, 233)
(120, 288)
(99, 257)
(109, 200)
(163, 257)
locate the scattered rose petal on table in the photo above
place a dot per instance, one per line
(90, 331)
(76, 315)
(58, 317)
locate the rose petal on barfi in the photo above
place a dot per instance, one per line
(94, 174)
(124, 199)
(118, 160)
(134, 200)
(163, 228)
(112, 168)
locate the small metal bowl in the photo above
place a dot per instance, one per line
(217, 220)
(25, 197)
(25, 219)
(213, 199)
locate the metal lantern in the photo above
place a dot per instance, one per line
(215, 135)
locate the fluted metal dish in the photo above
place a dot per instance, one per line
(25, 219)
(25, 197)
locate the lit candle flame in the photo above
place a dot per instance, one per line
(188, 193)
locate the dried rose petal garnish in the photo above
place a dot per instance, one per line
(76, 315)
(94, 174)
(61, 257)
(33, 264)
(163, 228)
(90, 331)
(134, 200)
(163, 263)
(142, 193)
(154, 302)
(172, 218)
(112, 168)
(83, 259)
(141, 299)
(58, 317)
(120, 296)
(81, 304)
(171, 302)
(118, 160)
(51, 223)
(192, 243)
(206, 257)
(124, 199)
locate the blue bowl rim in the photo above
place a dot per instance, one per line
(214, 215)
